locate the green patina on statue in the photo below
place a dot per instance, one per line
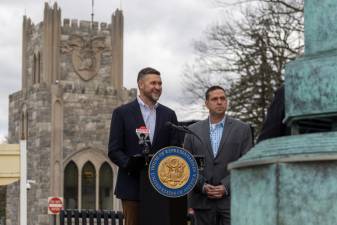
(292, 180)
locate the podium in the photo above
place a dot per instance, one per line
(156, 209)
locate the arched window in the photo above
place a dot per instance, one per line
(23, 130)
(24, 124)
(88, 181)
(88, 186)
(38, 68)
(71, 186)
(105, 187)
(34, 68)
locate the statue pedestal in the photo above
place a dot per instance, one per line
(286, 181)
(292, 180)
(311, 90)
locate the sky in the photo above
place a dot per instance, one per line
(157, 33)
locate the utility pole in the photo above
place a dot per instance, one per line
(23, 182)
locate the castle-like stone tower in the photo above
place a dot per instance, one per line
(72, 77)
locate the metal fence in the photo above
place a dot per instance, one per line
(91, 217)
(100, 217)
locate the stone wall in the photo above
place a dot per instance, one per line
(38, 152)
(86, 123)
(87, 113)
(12, 204)
(78, 67)
(31, 52)
(37, 101)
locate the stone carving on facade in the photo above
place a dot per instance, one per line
(86, 54)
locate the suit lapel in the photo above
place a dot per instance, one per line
(137, 113)
(225, 134)
(206, 137)
(158, 124)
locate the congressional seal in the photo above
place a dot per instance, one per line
(173, 172)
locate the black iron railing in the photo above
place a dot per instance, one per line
(98, 217)
(91, 217)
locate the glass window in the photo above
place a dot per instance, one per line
(88, 186)
(70, 186)
(23, 135)
(105, 187)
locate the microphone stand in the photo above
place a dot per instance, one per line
(145, 142)
(183, 129)
(199, 158)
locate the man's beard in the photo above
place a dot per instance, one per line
(155, 97)
(152, 96)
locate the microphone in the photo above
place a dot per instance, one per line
(183, 129)
(143, 136)
(180, 128)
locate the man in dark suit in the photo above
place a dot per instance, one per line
(145, 111)
(224, 140)
(273, 125)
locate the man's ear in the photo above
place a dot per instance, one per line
(227, 102)
(206, 104)
(140, 84)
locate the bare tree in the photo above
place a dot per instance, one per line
(4, 140)
(247, 56)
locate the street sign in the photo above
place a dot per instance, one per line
(55, 205)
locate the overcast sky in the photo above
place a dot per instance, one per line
(157, 33)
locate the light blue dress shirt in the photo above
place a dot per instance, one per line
(216, 131)
(149, 116)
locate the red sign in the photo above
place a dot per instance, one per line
(55, 205)
(142, 130)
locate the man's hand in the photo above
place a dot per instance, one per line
(215, 192)
(190, 211)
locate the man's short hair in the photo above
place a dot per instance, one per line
(213, 88)
(147, 70)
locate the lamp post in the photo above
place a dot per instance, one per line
(23, 182)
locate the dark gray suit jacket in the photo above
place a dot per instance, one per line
(236, 140)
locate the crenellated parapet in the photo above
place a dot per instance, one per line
(73, 25)
(72, 50)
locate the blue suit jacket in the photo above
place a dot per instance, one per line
(123, 143)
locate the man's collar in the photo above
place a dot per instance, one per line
(222, 122)
(141, 102)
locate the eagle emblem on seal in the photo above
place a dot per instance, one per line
(173, 171)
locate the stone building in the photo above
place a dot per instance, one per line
(72, 77)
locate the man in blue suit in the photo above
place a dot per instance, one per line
(145, 111)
